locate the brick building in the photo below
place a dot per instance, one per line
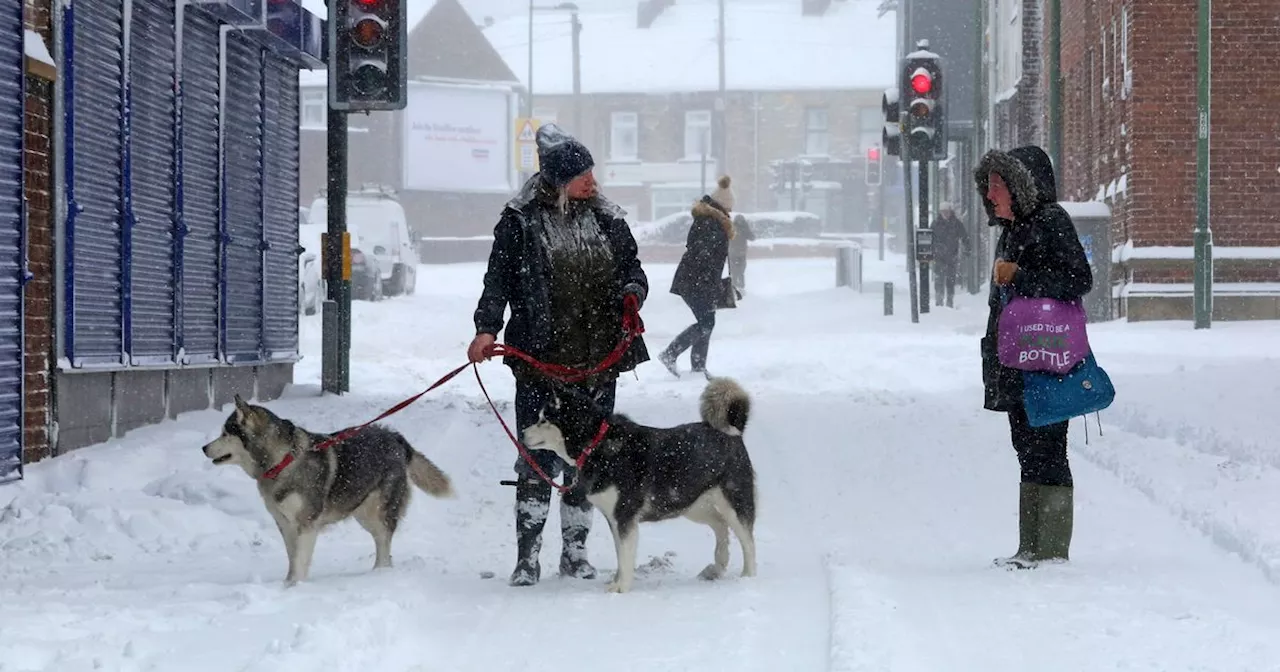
(803, 79)
(1128, 130)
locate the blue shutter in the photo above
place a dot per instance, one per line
(280, 152)
(151, 170)
(12, 254)
(199, 205)
(94, 305)
(242, 203)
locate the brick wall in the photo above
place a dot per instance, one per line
(39, 291)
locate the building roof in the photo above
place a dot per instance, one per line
(769, 46)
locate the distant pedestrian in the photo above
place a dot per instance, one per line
(742, 233)
(1038, 255)
(949, 239)
(698, 277)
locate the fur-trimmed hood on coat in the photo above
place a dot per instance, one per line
(1027, 171)
(708, 208)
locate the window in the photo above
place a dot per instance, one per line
(1126, 81)
(815, 131)
(870, 128)
(697, 134)
(624, 136)
(544, 115)
(668, 201)
(314, 114)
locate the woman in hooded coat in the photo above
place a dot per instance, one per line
(1038, 255)
(698, 277)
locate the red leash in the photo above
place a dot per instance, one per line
(633, 327)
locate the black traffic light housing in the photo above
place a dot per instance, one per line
(924, 134)
(875, 172)
(368, 65)
(891, 136)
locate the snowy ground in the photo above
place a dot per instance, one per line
(884, 493)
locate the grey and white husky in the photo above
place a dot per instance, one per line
(365, 476)
(638, 474)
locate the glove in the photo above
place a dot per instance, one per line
(631, 322)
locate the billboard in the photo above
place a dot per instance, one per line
(458, 138)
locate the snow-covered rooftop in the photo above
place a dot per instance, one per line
(769, 46)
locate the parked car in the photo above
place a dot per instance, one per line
(311, 285)
(366, 273)
(383, 231)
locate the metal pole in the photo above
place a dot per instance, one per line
(335, 357)
(882, 221)
(528, 99)
(721, 129)
(911, 238)
(924, 224)
(1203, 235)
(1055, 84)
(577, 76)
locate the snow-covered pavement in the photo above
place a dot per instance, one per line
(884, 493)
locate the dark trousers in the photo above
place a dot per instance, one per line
(946, 274)
(532, 392)
(696, 337)
(1042, 451)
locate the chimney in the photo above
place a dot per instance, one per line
(647, 11)
(814, 7)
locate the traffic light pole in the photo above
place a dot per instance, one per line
(923, 201)
(335, 341)
(911, 240)
(1203, 239)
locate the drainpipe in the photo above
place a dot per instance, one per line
(1055, 85)
(755, 148)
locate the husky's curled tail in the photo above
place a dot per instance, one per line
(725, 405)
(425, 474)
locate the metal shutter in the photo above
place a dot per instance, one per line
(242, 202)
(199, 204)
(93, 324)
(12, 268)
(280, 143)
(151, 188)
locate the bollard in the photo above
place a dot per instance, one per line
(888, 298)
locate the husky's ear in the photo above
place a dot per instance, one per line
(554, 402)
(242, 408)
(598, 395)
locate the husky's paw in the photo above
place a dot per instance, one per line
(289, 582)
(711, 572)
(617, 587)
(748, 572)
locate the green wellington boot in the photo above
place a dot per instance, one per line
(1029, 510)
(1057, 517)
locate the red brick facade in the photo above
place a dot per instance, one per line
(39, 290)
(1129, 131)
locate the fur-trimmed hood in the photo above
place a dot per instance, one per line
(1029, 174)
(708, 208)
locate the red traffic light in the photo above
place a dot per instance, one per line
(368, 4)
(873, 154)
(921, 83)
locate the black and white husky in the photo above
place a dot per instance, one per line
(636, 474)
(365, 477)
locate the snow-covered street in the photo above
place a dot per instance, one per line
(885, 491)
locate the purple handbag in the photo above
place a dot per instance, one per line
(1042, 334)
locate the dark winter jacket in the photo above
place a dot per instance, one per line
(1042, 241)
(697, 277)
(949, 237)
(742, 234)
(519, 275)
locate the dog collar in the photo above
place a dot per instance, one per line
(599, 438)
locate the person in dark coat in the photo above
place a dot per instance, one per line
(1038, 255)
(698, 280)
(949, 238)
(565, 262)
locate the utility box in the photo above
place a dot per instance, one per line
(924, 245)
(1093, 225)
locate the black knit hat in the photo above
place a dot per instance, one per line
(560, 156)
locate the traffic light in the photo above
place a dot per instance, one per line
(874, 173)
(891, 137)
(367, 59)
(924, 125)
(806, 175)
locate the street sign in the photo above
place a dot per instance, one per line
(526, 146)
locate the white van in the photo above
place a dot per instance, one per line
(375, 215)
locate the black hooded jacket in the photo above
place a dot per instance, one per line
(697, 277)
(519, 276)
(1041, 240)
